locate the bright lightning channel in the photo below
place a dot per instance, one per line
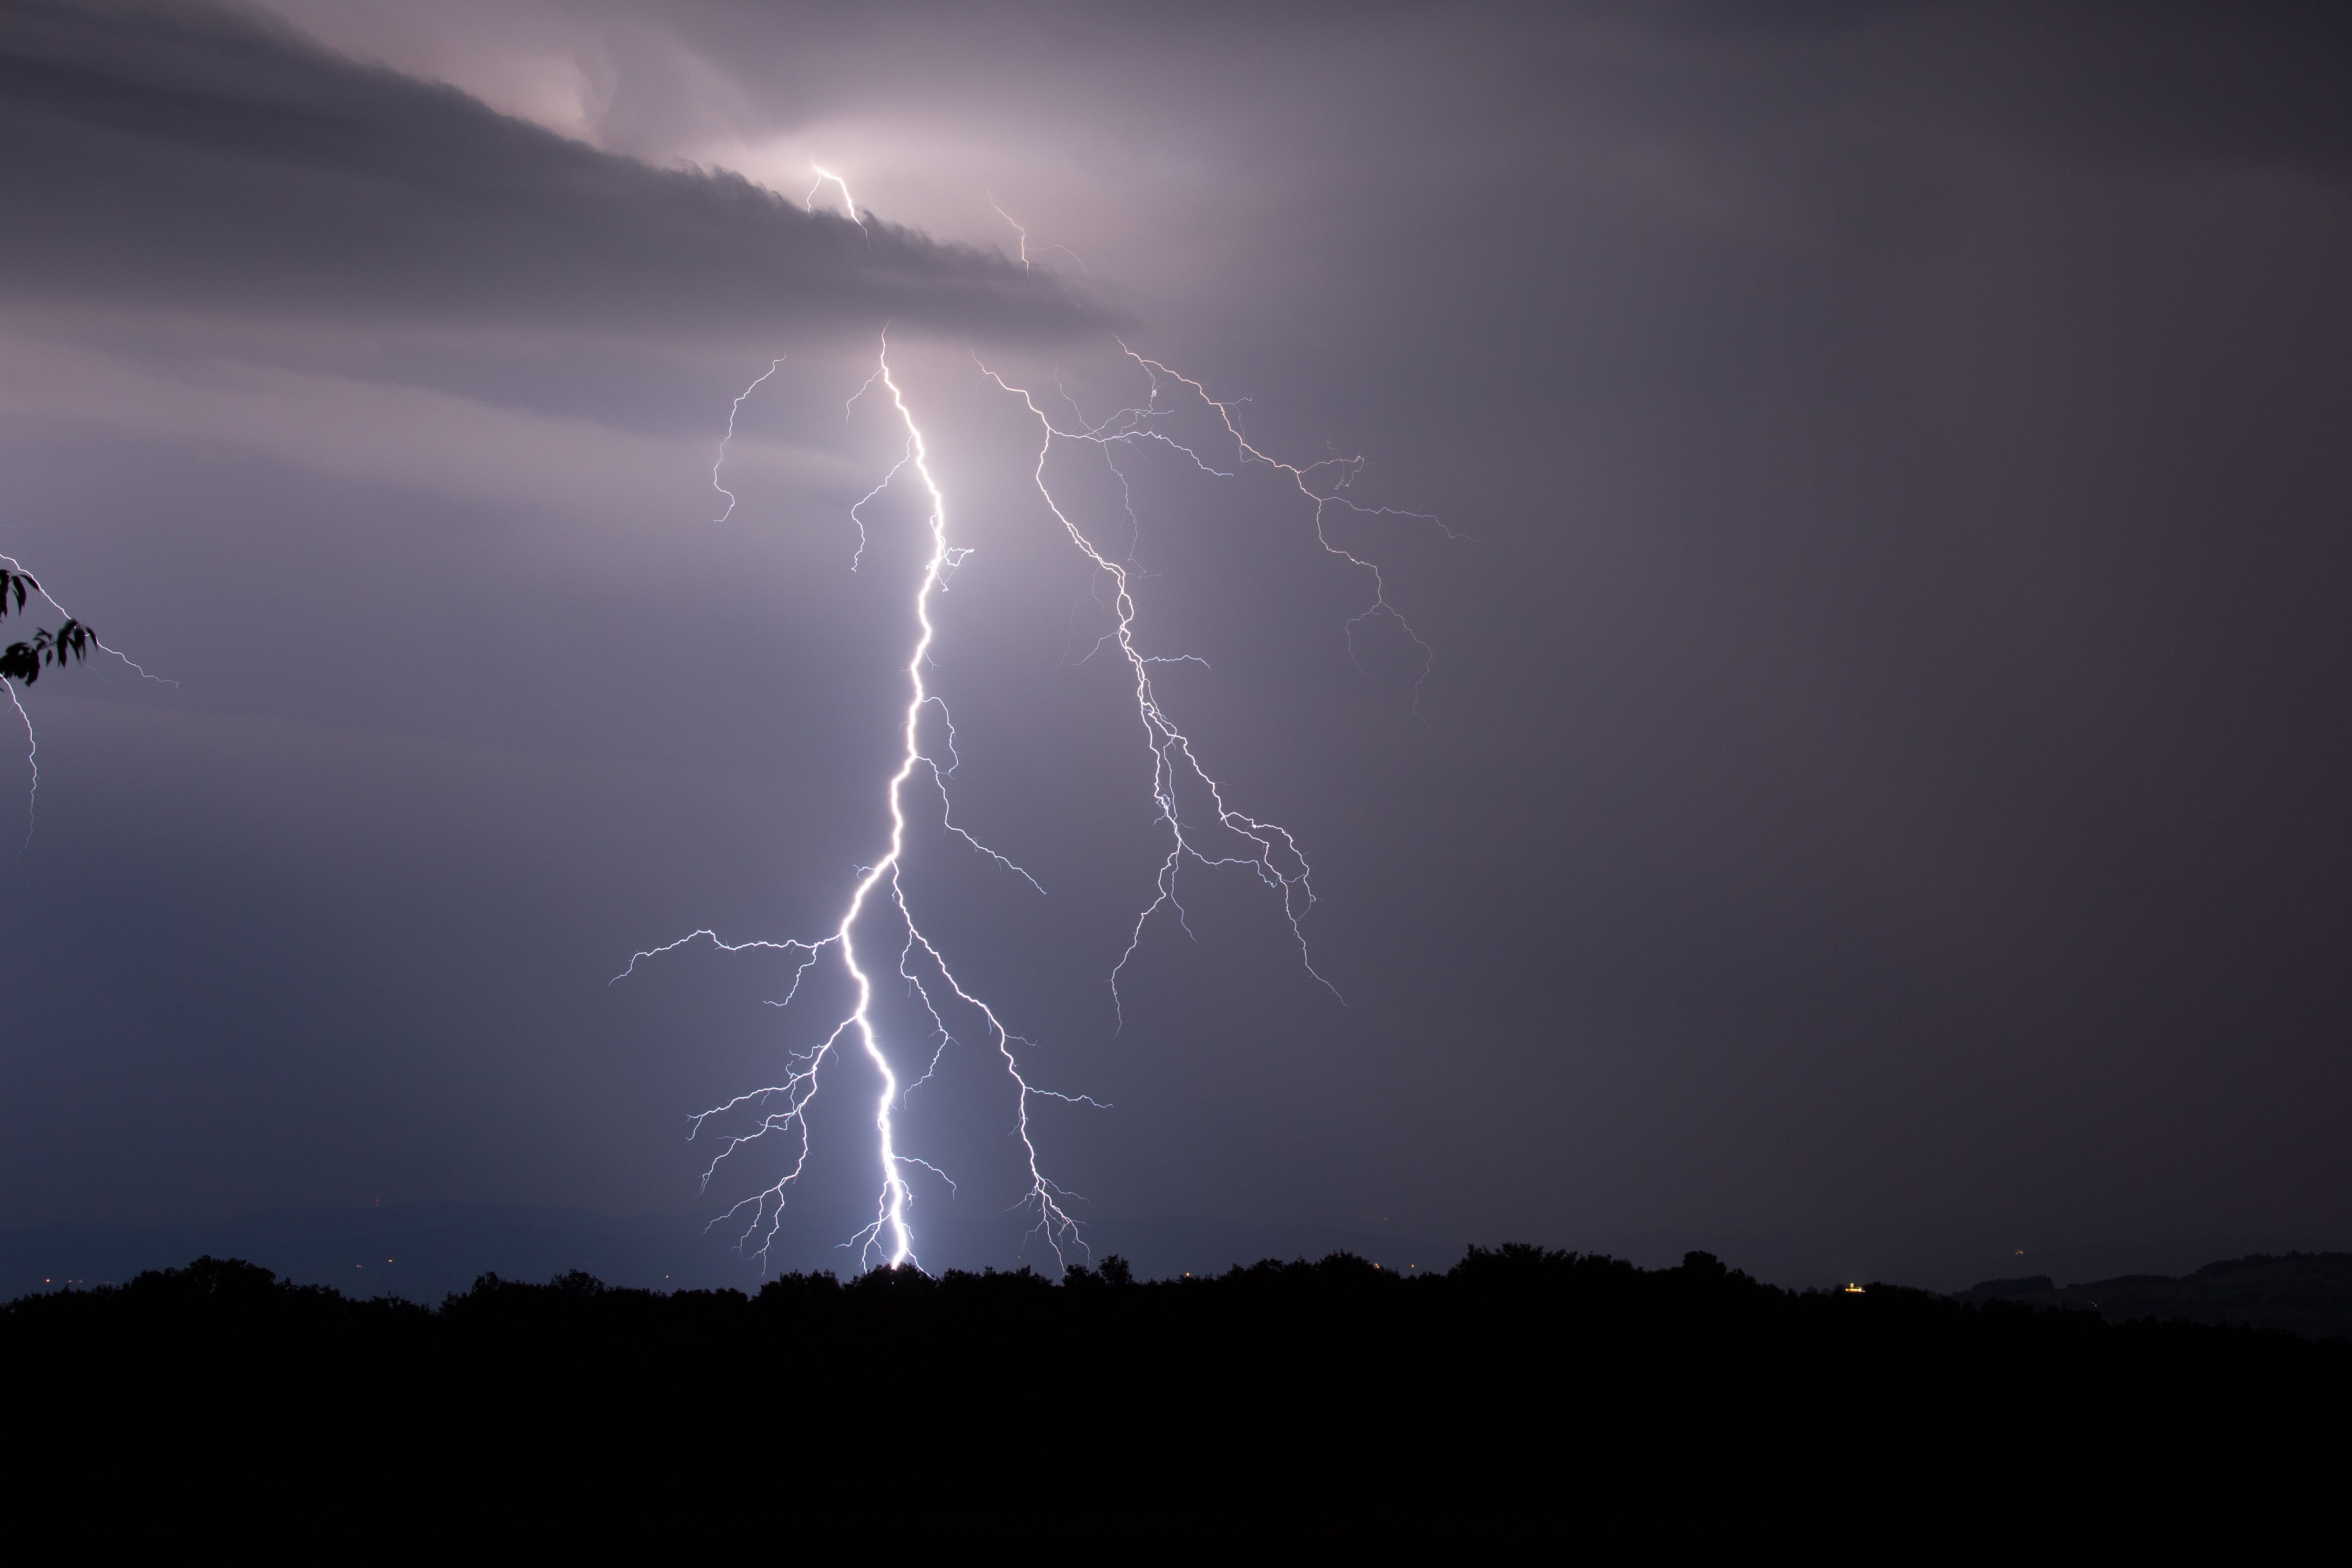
(826, 176)
(783, 1108)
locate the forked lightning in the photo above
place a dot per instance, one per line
(1233, 837)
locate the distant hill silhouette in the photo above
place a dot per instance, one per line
(2306, 1293)
(419, 1251)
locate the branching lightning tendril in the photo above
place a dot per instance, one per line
(737, 407)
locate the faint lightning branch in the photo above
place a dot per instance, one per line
(733, 410)
(32, 761)
(783, 1108)
(1017, 229)
(849, 404)
(857, 513)
(715, 940)
(1271, 851)
(947, 820)
(1347, 469)
(855, 506)
(1023, 235)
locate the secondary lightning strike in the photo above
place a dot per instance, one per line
(1276, 858)
(783, 1108)
(1275, 854)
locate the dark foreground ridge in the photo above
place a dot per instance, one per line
(1519, 1368)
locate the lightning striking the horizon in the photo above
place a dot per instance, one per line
(783, 1108)
(1201, 826)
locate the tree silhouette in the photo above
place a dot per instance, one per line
(22, 661)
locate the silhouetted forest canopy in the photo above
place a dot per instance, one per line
(1514, 1369)
(2310, 1293)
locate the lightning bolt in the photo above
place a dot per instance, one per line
(1203, 827)
(783, 1108)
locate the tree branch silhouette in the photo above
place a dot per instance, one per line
(23, 661)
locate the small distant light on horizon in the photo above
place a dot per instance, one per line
(1853, 1290)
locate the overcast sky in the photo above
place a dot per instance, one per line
(1876, 805)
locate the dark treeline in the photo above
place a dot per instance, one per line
(1518, 1367)
(1701, 1303)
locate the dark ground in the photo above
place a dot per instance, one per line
(1521, 1391)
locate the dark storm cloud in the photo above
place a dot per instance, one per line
(195, 157)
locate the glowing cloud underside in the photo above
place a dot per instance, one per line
(1212, 834)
